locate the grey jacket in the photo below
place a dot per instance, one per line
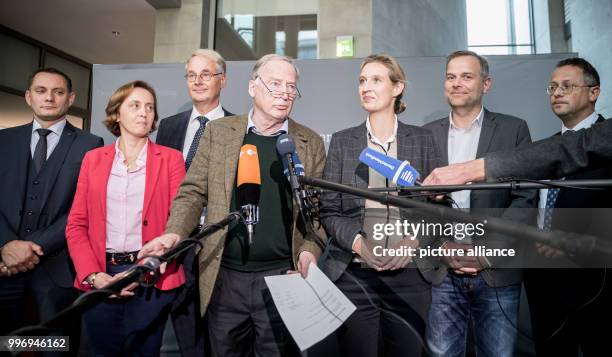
(342, 217)
(499, 132)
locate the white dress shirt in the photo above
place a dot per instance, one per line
(52, 139)
(462, 147)
(194, 125)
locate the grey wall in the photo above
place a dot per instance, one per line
(418, 27)
(592, 39)
(329, 87)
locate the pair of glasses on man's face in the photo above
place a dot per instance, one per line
(277, 90)
(564, 88)
(204, 76)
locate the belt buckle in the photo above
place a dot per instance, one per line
(113, 261)
(132, 257)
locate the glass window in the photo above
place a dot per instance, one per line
(499, 27)
(247, 29)
(77, 73)
(18, 60)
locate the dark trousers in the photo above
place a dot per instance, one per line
(31, 297)
(186, 319)
(130, 326)
(562, 302)
(242, 319)
(374, 329)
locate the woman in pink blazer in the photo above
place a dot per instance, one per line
(123, 201)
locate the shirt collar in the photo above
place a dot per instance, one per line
(56, 128)
(584, 124)
(251, 126)
(375, 139)
(216, 113)
(477, 121)
(141, 160)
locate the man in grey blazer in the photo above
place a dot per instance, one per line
(466, 290)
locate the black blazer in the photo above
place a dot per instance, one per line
(172, 130)
(498, 132)
(57, 198)
(585, 211)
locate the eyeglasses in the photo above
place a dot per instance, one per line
(564, 89)
(204, 76)
(275, 88)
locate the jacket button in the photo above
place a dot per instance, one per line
(28, 230)
(33, 197)
(30, 213)
(145, 222)
(36, 182)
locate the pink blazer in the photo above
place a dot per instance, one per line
(86, 227)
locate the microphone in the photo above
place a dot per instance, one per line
(249, 187)
(399, 172)
(285, 146)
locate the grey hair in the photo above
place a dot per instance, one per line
(273, 57)
(484, 64)
(211, 55)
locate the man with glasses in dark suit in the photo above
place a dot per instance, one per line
(206, 77)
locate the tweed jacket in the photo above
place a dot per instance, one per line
(210, 182)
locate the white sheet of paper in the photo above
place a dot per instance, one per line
(311, 308)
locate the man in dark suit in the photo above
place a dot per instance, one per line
(39, 171)
(565, 318)
(467, 291)
(206, 76)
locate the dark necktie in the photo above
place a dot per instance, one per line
(551, 199)
(40, 152)
(196, 141)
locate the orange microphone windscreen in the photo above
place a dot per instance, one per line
(248, 166)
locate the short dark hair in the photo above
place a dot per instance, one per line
(52, 71)
(589, 73)
(484, 64)
(118, 97)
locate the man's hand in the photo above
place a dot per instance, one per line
(398, 262)
(457, 174)
(159, 246)
(365, 249)
(304, 260)
(548, 251)
(462, 264)
(6, 271)
(21, 254)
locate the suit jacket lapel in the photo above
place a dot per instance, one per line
(22, 148)
(57, 158)
(106, 165)
(153, 171)
(486, 133)
(233, 141)
(362, 173)
(441, 136)
(182, 129)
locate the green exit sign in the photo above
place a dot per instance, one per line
(344, 46)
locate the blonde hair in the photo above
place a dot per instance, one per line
(118, 97)
(396, 75)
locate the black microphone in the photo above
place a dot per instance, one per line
(249, 187)
(285, 146)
